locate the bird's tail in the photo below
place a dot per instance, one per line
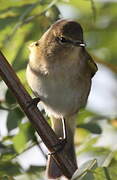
(53, 171)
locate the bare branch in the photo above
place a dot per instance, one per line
(34, 115)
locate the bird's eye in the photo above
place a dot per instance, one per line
(62, 40)
(36, 44)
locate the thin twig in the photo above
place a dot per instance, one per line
(25, 150)
(28, 148)
(11, 108)
(5, 108)
(40, 148)
(38, 143)
(22, 20)
(93, 9)
(111, 66)
(29, 19)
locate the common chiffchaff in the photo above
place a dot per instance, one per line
(59, 72)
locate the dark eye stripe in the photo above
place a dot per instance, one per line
(63, 40)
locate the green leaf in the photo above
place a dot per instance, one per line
(99, 174)
(88, 147)
(10, 99)
(83, 114)
(105, 173)
(19, 56)
(7, 20)
(92, 127)
(26, 133)
(84, 172)
(7, 152)
(9, 168)
(14, 118)
(7, 156)
(4, 178)
(35, 169)
(112, 170)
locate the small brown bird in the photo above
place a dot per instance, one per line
(59, 72)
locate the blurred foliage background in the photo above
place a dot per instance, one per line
(22, 153)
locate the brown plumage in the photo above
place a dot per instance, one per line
(60, 72)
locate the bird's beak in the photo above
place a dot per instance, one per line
(82, 45)
(79, 43)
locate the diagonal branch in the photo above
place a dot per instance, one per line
(34, 115)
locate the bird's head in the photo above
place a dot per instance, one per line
(68, 32)
(61, 38)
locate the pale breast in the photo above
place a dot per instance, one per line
(63, 91)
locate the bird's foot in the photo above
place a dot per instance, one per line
(34, 102)
(62, 140)
(59, 146)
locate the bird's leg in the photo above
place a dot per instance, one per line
(62, 140)
(34, 102)
(64, 129)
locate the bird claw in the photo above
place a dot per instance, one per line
(59, 146)
(34, 102)
(62, 140)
